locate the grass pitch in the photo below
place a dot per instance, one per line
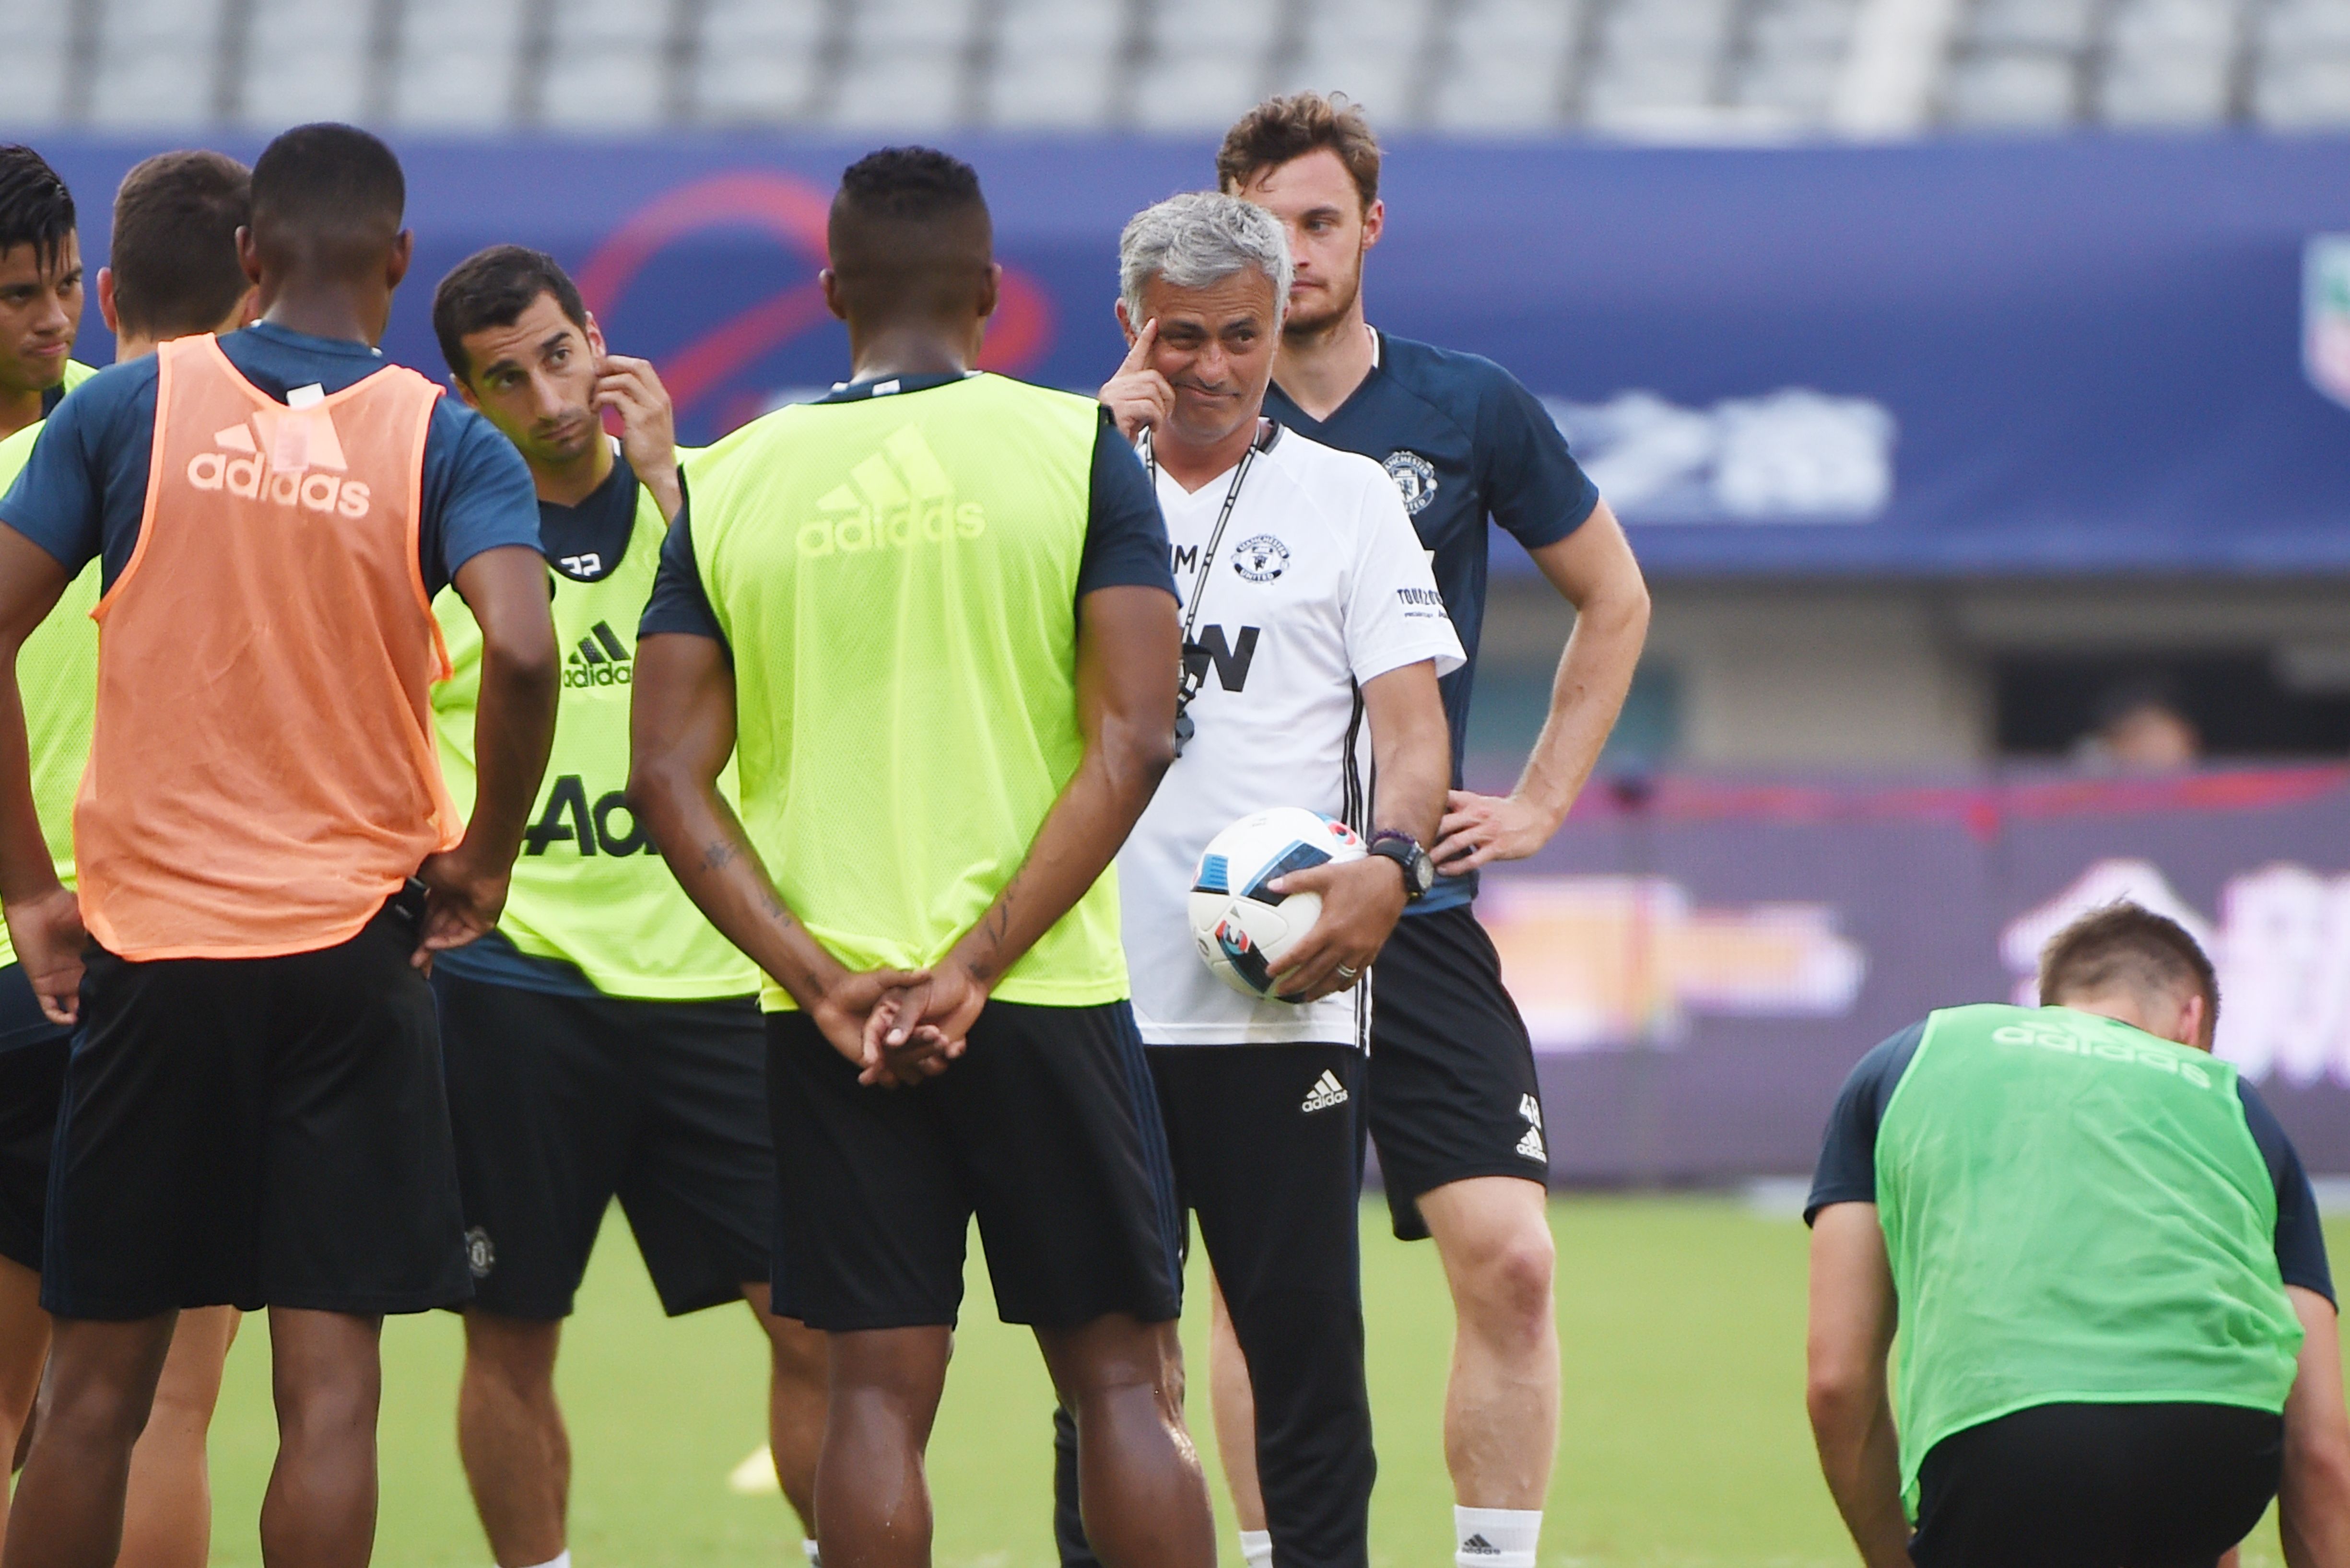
(1683, 1442)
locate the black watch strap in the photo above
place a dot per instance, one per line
(1418, 870)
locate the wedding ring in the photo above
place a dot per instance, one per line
(1346, 973)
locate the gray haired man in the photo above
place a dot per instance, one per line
(1309, 614)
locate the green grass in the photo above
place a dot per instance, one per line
(1683, 1443)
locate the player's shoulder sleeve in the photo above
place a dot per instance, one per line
(680, 603)
(1847, 1172)
(59, 498)
(1531, 483)
(1394, 616)
(478, 493)
(2299, 1236)
(1126, 537)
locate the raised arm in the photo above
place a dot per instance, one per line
(1593, 570)
(505, 587)
(2313, 1497)
(681, 732)
(43, 917)
(1128, 651)
(1362, 900)
(1853, 1316)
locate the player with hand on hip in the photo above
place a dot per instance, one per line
(172, 273)
(604, 1040)
(1309, 614)
(932, 617)
(265, 851)
(1455, 1109)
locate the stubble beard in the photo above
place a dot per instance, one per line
(1304, 331)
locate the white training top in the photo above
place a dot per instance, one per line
(1319, 587)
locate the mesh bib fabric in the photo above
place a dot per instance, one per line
(2075, 1213)
(897, 577)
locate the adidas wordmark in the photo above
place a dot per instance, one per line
(1327, 1092)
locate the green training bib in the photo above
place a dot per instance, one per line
(589, 887)
(897, 577)
(2075, 1213)
(57, 673)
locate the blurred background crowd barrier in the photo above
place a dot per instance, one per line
(1973, 376)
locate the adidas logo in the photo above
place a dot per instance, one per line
(600, 659)
(897, 497)
(1530, 1146)
(1327, 1092)
(1478, 1546)
(287, 457)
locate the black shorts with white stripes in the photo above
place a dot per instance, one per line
(1452, 1087)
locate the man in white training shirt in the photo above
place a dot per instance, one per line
(1309, 610)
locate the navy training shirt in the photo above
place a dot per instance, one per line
(1847, 1167)
(1463, 441)
(1126, 538)
(84, 490)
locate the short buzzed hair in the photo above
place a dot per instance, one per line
(910, 233)
(1281, 128)
(492, 288)
(2128, 947)
(1197, 240)
(173, 251)
(36, 208)
(331, 187)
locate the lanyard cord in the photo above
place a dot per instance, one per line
(1193, 672)
(1215, 537)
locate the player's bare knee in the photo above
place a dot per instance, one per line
(1510, 1285)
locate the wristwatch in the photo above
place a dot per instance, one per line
(1418, 870)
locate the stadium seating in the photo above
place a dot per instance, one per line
(1680, 69)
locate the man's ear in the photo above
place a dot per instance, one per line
(834, 300)
(991, 290)
(594, 338)
(2194, 1021)
(106, 300)
(1125, 323)
(1375, 223)
(248, 254)
(465, 393)
(403, 251)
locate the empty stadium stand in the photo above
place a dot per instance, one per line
(1671, 69)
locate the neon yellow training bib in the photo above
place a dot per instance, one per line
(57, 672)
(589, 888)
(897, 577)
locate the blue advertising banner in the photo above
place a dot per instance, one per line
(2030, 357)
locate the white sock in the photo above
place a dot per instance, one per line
(561, 1560)
(1496, 1537)
(813, 1560)
(1256, 1548)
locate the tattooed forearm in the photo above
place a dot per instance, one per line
(718, 854)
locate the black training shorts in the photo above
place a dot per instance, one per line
(1047, 1128)
(257, 1132)
(1452, 1086)
(2121, 1486)
(32, 1079)
(563, 1103)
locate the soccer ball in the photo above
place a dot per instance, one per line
(1243, 929)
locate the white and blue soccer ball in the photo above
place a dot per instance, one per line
(1243, 929)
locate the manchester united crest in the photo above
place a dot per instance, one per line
(1415, 479)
